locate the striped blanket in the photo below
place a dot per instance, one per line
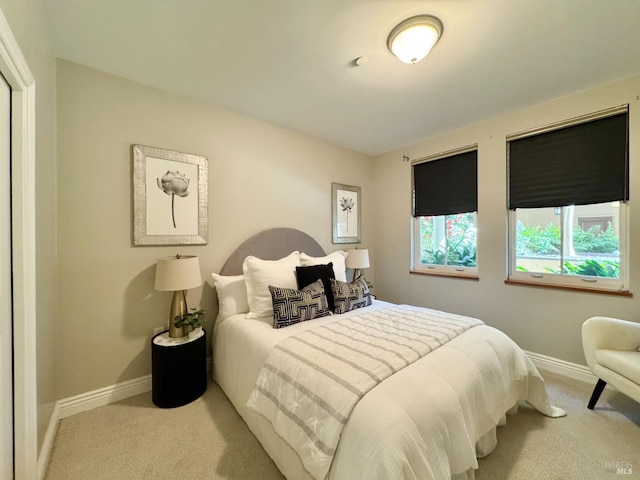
(311, 381)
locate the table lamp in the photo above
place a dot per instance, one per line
(357, 259)
(177, 274)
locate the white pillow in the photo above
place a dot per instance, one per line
(337, 258)
(232, 295)
(259, 274)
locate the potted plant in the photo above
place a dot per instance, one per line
(192, 320)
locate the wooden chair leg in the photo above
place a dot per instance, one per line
(596, 394)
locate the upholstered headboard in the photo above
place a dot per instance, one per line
(271, 244)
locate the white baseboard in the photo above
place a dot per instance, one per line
(103, 396)
(562, 367)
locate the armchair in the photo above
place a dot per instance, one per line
(612, 349)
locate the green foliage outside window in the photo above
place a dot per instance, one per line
(594, 268)
(458, 245)
(535, 240)
(595, 241)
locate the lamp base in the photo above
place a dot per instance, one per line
(356, 273)
(178, 308)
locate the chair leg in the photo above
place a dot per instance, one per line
(596, 394)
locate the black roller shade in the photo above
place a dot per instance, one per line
(446, 186)
(577, 165)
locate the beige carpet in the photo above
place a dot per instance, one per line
(206, 439)
(585, 444)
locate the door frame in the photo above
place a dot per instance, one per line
(23, 231)
(6, 292)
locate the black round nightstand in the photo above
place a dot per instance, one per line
(178, 369)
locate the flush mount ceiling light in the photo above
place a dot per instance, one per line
(414, 38)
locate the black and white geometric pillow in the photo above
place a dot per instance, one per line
(293, 306)
(349, 296)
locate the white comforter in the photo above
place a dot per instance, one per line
(427, 421)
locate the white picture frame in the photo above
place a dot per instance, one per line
(346, 213)
(169, 197)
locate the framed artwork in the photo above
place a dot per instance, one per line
(345, 210)
(169, 197)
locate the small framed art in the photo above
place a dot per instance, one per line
(169, 197)
(345, 210)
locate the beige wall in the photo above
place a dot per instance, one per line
(28, 24)
(260, 176)
(541, 320)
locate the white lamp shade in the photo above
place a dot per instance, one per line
(358, 258)
(414, 38)
(178, 273)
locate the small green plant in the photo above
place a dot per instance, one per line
(192, 319)
(464, 256)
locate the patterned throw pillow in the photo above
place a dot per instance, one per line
(292, 306)
(349, 296)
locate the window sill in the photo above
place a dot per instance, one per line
(601, 291)
(444, 274)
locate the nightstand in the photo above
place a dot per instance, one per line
(178, 369)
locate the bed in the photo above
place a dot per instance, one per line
(430, 418)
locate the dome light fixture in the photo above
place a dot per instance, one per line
(412, 39)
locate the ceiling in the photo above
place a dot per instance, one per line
(291, 62)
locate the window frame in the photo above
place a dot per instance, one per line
(573, 282)
(580, 282)
(434, 269)
(416, 266)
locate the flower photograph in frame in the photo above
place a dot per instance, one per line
(345, 209)
(169, 197)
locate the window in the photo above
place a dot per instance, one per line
(445, 204)
(568, 194)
